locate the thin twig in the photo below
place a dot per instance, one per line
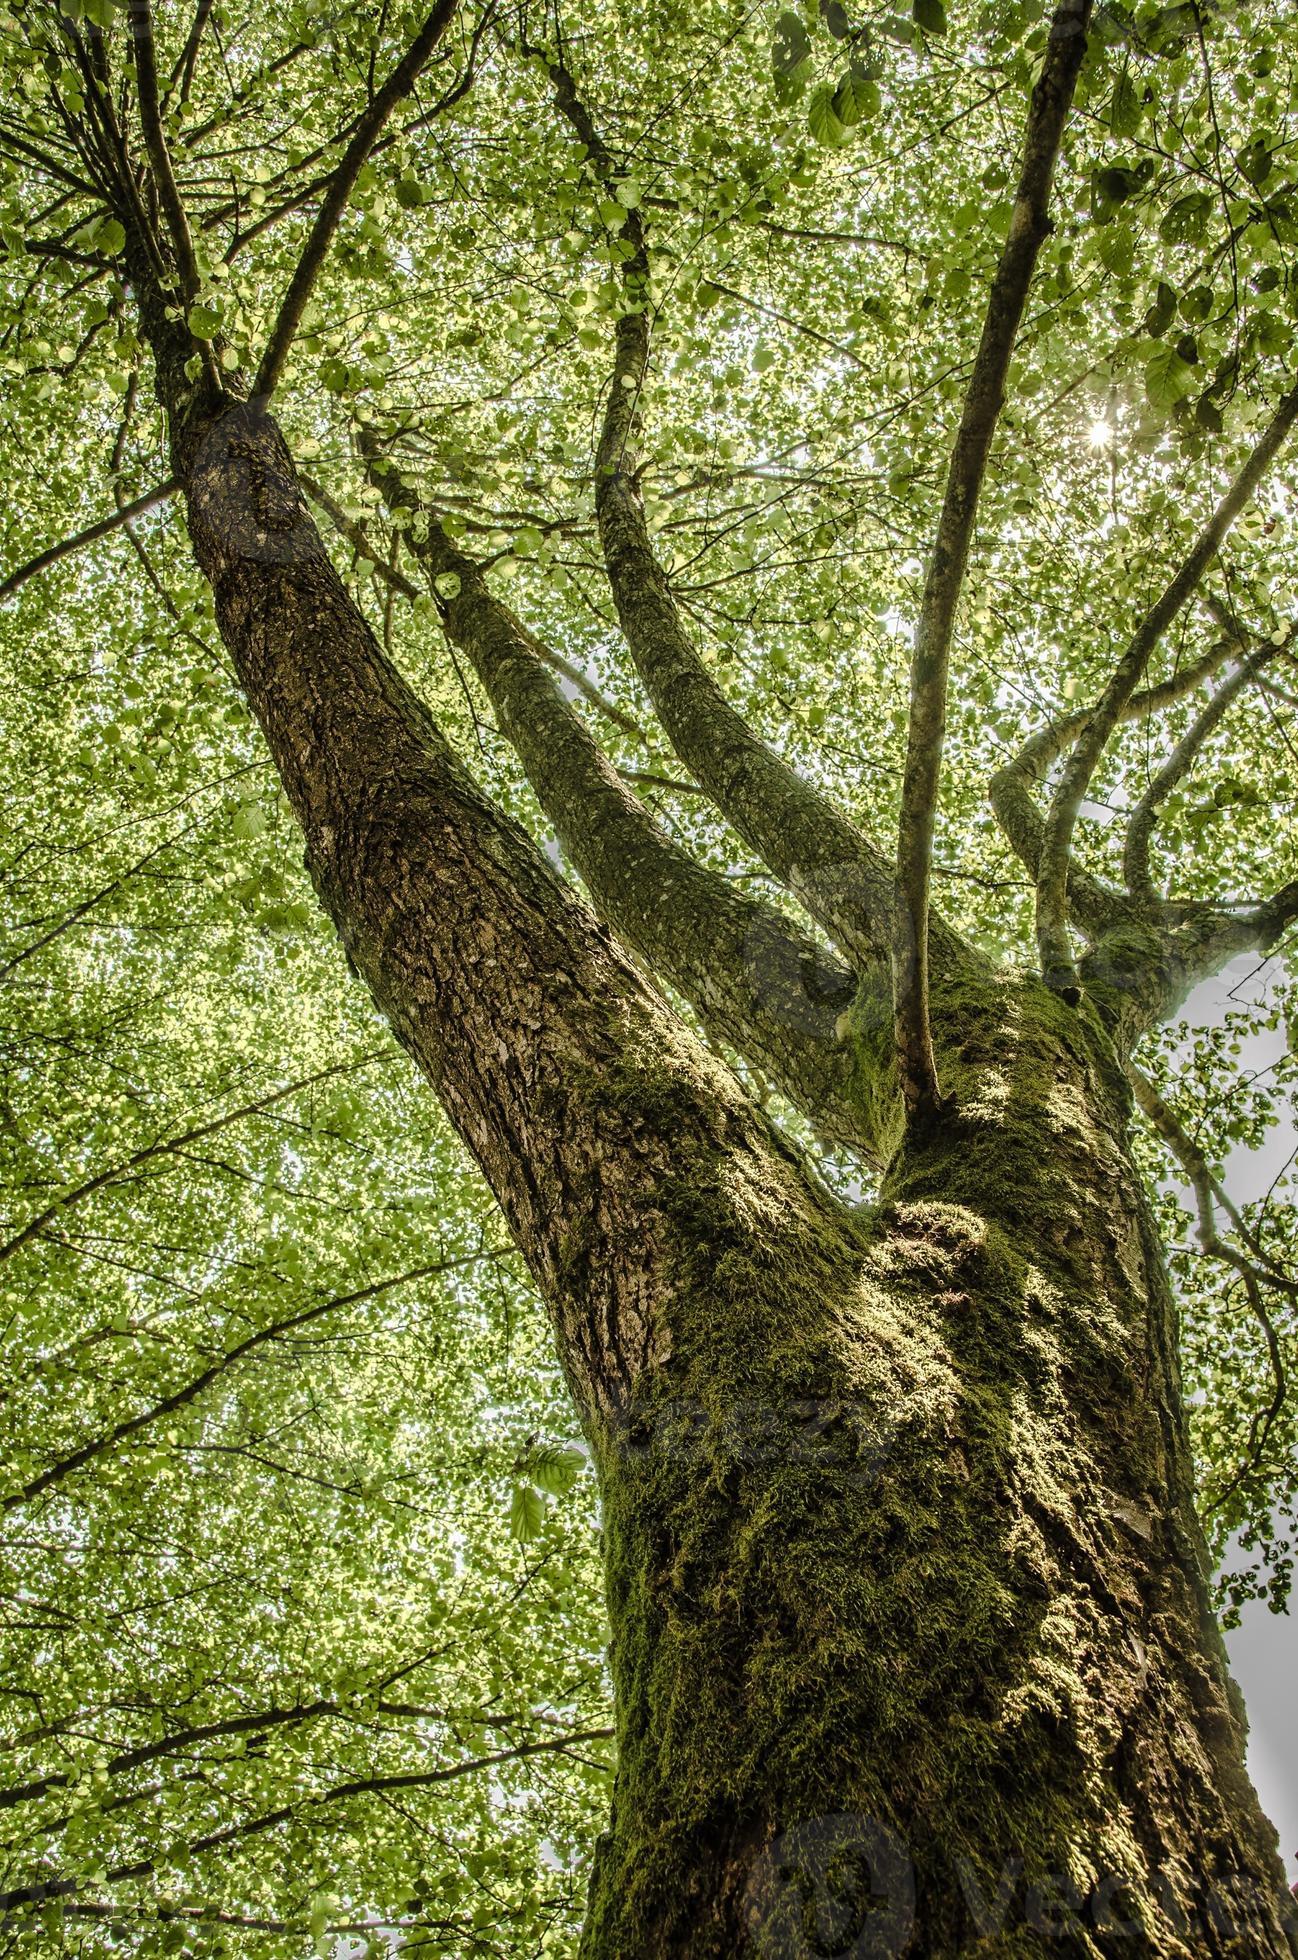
(300, 287)
(103, 528)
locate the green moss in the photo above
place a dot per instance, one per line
(868, 1529)
(874, 1075)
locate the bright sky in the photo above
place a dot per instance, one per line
(1264, 1648)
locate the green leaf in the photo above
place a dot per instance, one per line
(1162, 311)
(856, 99)
(1186, 221)
(791, 46)
(1208, 415)
(1126, 108)
(1117, 249)
(447, 585)
(1168, 378)
(110, 237)
(249, 822)
(1112, 184)
(555, 1468)
(822, 121)
(526, 1513)
(1274, 334)
(204, 322)
(1255, 160)
(930, 15)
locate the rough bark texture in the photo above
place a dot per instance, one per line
(910, 1635)
(600, 1125)
(911, 1640)
(753, 978)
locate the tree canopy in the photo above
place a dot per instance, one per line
(301, 1601)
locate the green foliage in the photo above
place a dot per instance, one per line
(351, 1513)
(266, 1388)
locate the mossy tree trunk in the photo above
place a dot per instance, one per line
(910, 1633)
(909, 1622)
(911, 1639)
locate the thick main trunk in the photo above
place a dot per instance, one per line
(910, 1636)
(911, 1640)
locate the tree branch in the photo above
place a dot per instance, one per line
(1029, 226)
(103, 528)
(253, 1723)
(182, 75)
(398, 85)
(841, 879)
(754, 979)
(140, 15)
(396, 581)
(1140, 827)
(1095, 906)
(1256, 1271)
(1057, 963)
(191, 1390)
(167, 1146)
(62, 1888)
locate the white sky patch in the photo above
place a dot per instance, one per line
(1095, 812)
(1263, 1649)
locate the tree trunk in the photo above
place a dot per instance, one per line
(911, 1640)
(910, 1635)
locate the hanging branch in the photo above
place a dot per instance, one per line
(1255, 1268)
(181, 1397)
(170, 1146)
(62, 1888)
(1057, 963)
(316, 250)
(1140, 829)
(1029, 226)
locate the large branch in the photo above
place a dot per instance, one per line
(1029, 226)
(753, 978)
(1094, 905)
(1031, 763)
(300, 287)
(1057, 962)
(835, 873)
(551, 1056)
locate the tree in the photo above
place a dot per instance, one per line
(759, 350)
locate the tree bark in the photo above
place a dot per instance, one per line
(911, 1639)
(912, 1644)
